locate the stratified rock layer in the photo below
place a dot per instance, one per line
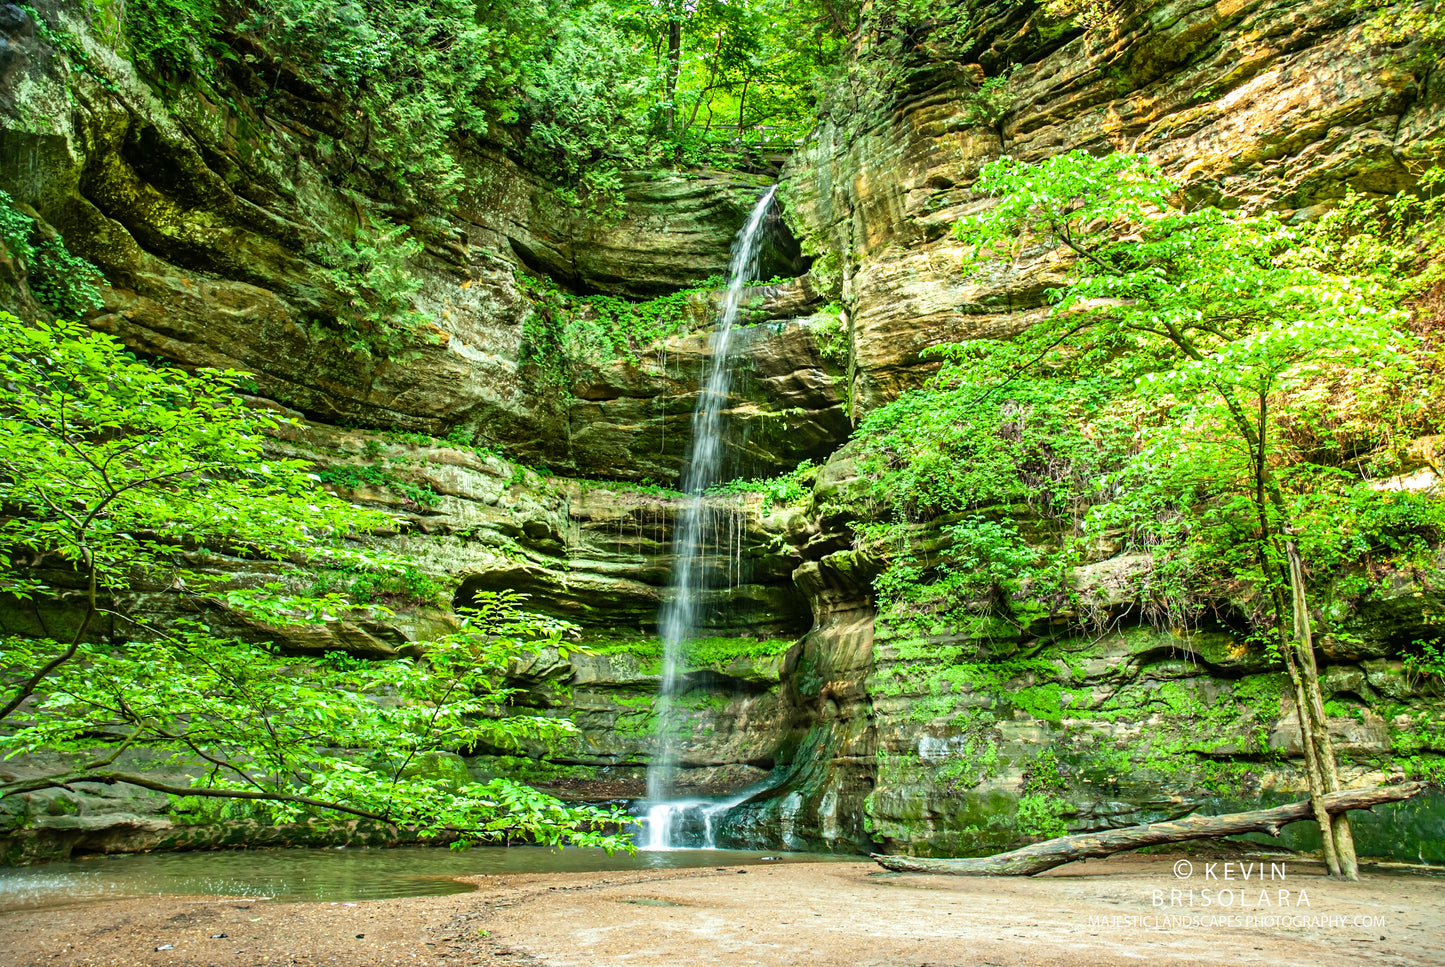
(1258, 105)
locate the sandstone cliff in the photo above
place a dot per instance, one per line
(206, 210)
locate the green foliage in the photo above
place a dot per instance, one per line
(404, 586)
(1429, 769)
(892, 41)
(64, 283)
(1428, 661)
(1041, 806)
(266, 729)
(1397, 243)
(15, 229)
(172, 38)
(459, 437)
(583, 93)
(1400, 21)
(356, 476)
(62, 41)
(1005, 477)
(126, 486)
(1182, 399)
(697, 652)
(418, 75)
(793, 487)
(595, 88)
(565, 333)
(619, 83)
(975, 762)
(832, 336)
(992, 100)
(646, 487)
(1086, 14)
(118, 469)
(370, 273)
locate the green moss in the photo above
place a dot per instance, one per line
(352, 476)
(703, 701)
(697, 652)
(529, 770)
(642, 701)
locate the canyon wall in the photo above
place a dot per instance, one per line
(207, 210)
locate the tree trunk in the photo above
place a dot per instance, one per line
(1066, 849)
(28, 687)
(1298, 651)
(1313, 772)
(1319, 733)
(674, 64)
(705, 94)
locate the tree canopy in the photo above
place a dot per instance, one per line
(1212, 391)
(585, 87)
(128, 488)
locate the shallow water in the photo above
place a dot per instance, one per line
(332, 874)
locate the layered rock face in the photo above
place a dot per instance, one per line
(1255, 105)
(207, 215)
(213, 213)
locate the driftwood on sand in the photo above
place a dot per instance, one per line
(1065, 849)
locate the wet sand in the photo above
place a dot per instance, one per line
(811, 915)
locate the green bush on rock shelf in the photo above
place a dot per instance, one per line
(62, 282)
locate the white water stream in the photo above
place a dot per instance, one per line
(679, 617)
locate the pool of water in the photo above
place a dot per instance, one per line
(333, 874)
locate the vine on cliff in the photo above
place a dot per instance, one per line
(564, 332)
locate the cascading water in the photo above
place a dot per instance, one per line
(680, 612)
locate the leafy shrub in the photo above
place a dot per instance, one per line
(1428, 661)
(172, 38)
(832, 337)
(124, 476)
(787, 488)
(407, 585)
(59, 280)
(371, 274)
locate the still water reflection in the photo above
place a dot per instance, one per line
(329, 874)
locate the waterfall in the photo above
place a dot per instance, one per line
(678, 619)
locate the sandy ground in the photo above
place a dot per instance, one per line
(811, 915)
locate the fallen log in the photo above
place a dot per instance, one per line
(1065, 849)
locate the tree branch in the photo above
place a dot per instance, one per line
(155, 785)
